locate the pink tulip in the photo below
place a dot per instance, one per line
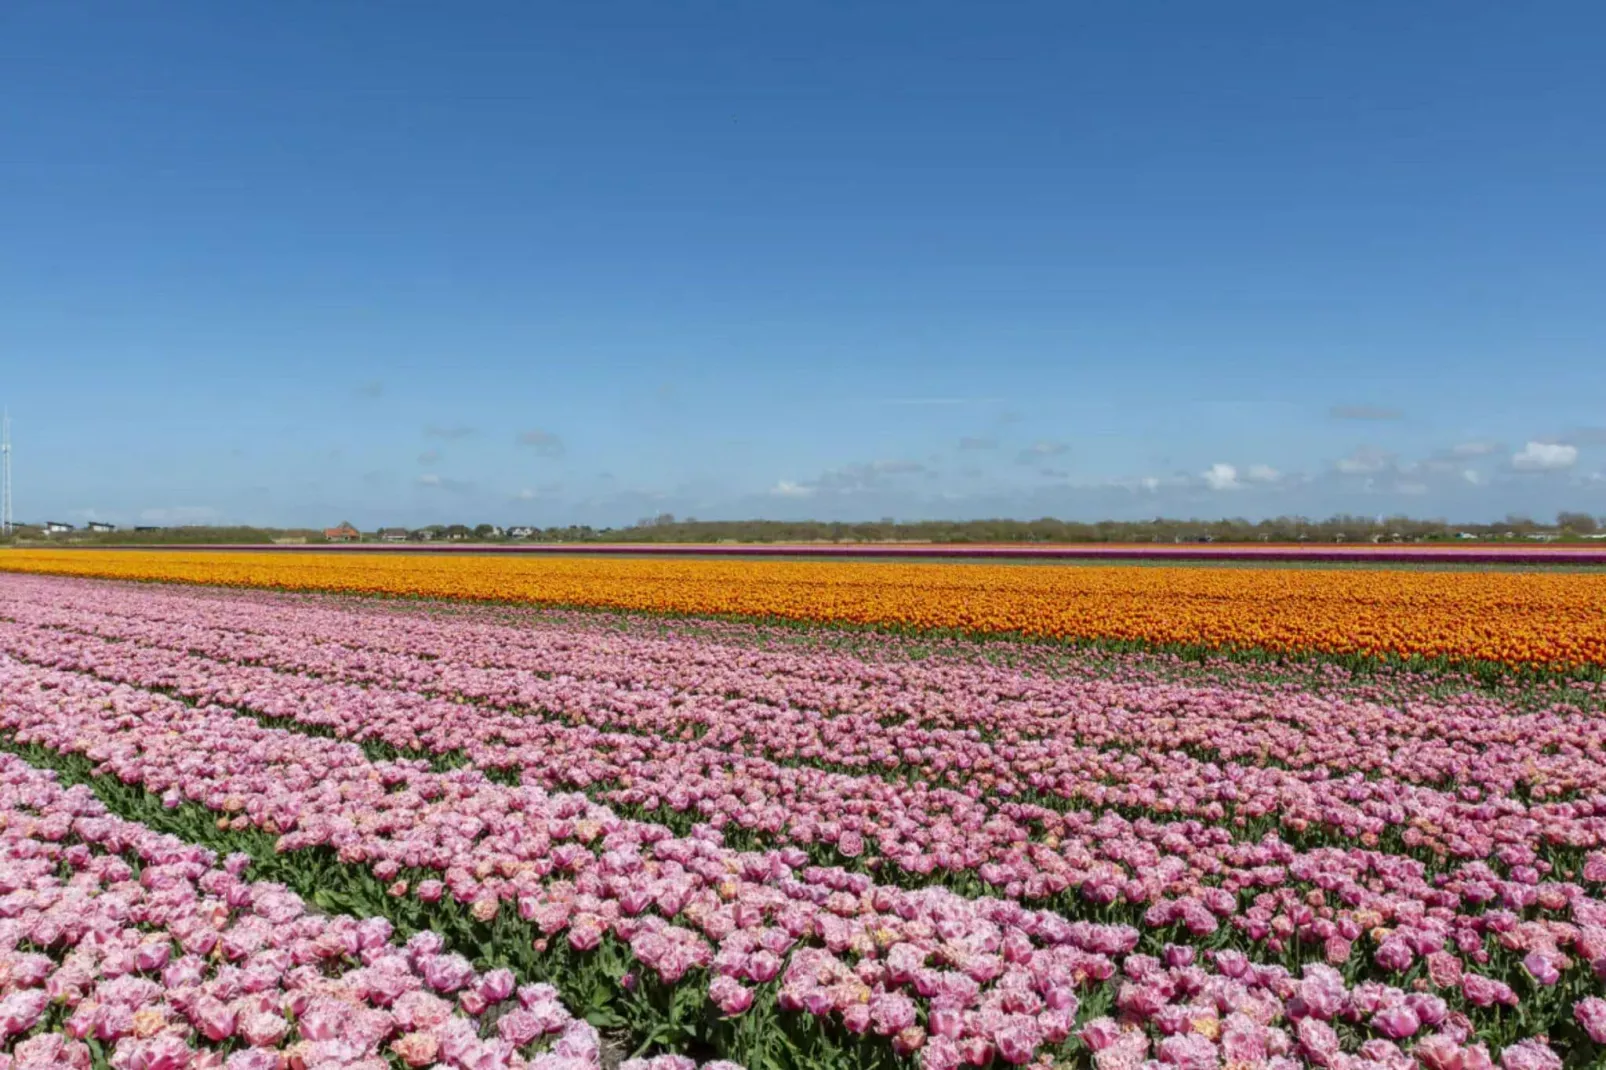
(214, 1018)
(20, 1010)
(1531, 1054)
(730, 995)
(1541, 967)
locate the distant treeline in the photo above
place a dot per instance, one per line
(166, 536)
(669, 529)
(1049, 530)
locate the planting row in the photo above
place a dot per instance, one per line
(1028, 842)
(1160, 875)
(441, 648)
(792, 705)
(1148, 871)
(563, 886)
(121, 945)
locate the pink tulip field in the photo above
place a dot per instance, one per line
(256, 831)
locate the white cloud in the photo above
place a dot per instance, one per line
(1364, 460)
(787, 489)
(1544, 457)
(1411, 487)
(1222, 477)
(1474, 449)
(1263, 473)
(428, 479)
(1473, 476)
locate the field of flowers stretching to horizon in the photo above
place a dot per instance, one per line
(1542, 618)
(278, 830)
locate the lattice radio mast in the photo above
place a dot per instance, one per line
(5, 473)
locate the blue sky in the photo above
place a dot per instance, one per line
(297, 262)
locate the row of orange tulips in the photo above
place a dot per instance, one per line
(1556, 619)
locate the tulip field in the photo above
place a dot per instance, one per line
(576, 814)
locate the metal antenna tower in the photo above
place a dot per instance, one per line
(5, 473)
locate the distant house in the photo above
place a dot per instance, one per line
(343, 533)
(56, 527)
(392, 534)
(424, 534)
(148, 527)
(1465, 535)
(521, 532)
(101, 525)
